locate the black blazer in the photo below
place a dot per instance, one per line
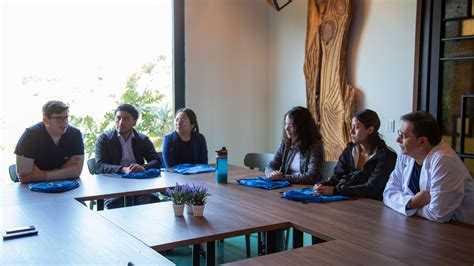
(108, 152)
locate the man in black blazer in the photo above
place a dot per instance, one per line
(124, 150)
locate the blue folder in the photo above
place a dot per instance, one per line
(307, 195)
(187, 168)
(53, 186)
(262, 182)
(150, 173)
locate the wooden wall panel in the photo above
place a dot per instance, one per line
(329, 96)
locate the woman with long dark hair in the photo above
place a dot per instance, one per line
(300, 157)
(185, 144)
(365, 164)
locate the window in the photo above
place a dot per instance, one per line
(87, 54)
(447, 70)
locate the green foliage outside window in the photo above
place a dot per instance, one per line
(156, 117)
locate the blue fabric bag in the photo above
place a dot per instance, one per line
(150, 173)
(306, 195)
(187, 168)
(262, 182)
(53, 186)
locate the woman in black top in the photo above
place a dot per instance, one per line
(300, 157)
(365, 164)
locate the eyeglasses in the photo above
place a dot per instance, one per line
(61, 119)
(401, 134)
(182, 121)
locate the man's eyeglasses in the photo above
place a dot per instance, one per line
(401, 134)
(61, 119)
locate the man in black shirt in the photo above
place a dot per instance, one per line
(51, 149)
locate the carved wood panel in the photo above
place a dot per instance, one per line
(329, 96)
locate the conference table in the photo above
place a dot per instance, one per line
(360, 231)
(336, 252)
(157, 227)
(363, 222)
(69, 233)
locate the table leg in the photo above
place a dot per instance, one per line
(129, 201)
(100, 204)
(196, 258)
(271, 241)
(297, 238)
(211, 253)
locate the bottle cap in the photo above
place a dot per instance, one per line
(222, 152)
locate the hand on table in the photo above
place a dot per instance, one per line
(35, 175)
(420, 199)
(132, 168)
(324, 190)
(275, 176)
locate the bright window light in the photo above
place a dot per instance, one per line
(79, 52)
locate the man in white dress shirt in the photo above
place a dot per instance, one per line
(429, 178)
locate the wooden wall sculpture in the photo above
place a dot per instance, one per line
(330, 98)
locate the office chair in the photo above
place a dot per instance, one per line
(91, 166)
(257, 160)
(12, 172)
(328, 169)
(160, 154)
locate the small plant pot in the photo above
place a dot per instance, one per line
(189, 208)
(198, 210)
(178, 209)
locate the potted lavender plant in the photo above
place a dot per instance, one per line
(177, 196)
(199, 198)
(188, 197)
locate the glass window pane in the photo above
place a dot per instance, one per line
(458, 48)
(87, 54)
(452, 29)
(458, 79)
(470, 162)
(456, 8)
(458, 28)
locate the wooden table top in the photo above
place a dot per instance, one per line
(363, 222)
(91, 187)
(158, 227)
(69, 233)
(336, 252)
(366, 224)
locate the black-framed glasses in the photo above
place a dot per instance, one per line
(61, 119)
